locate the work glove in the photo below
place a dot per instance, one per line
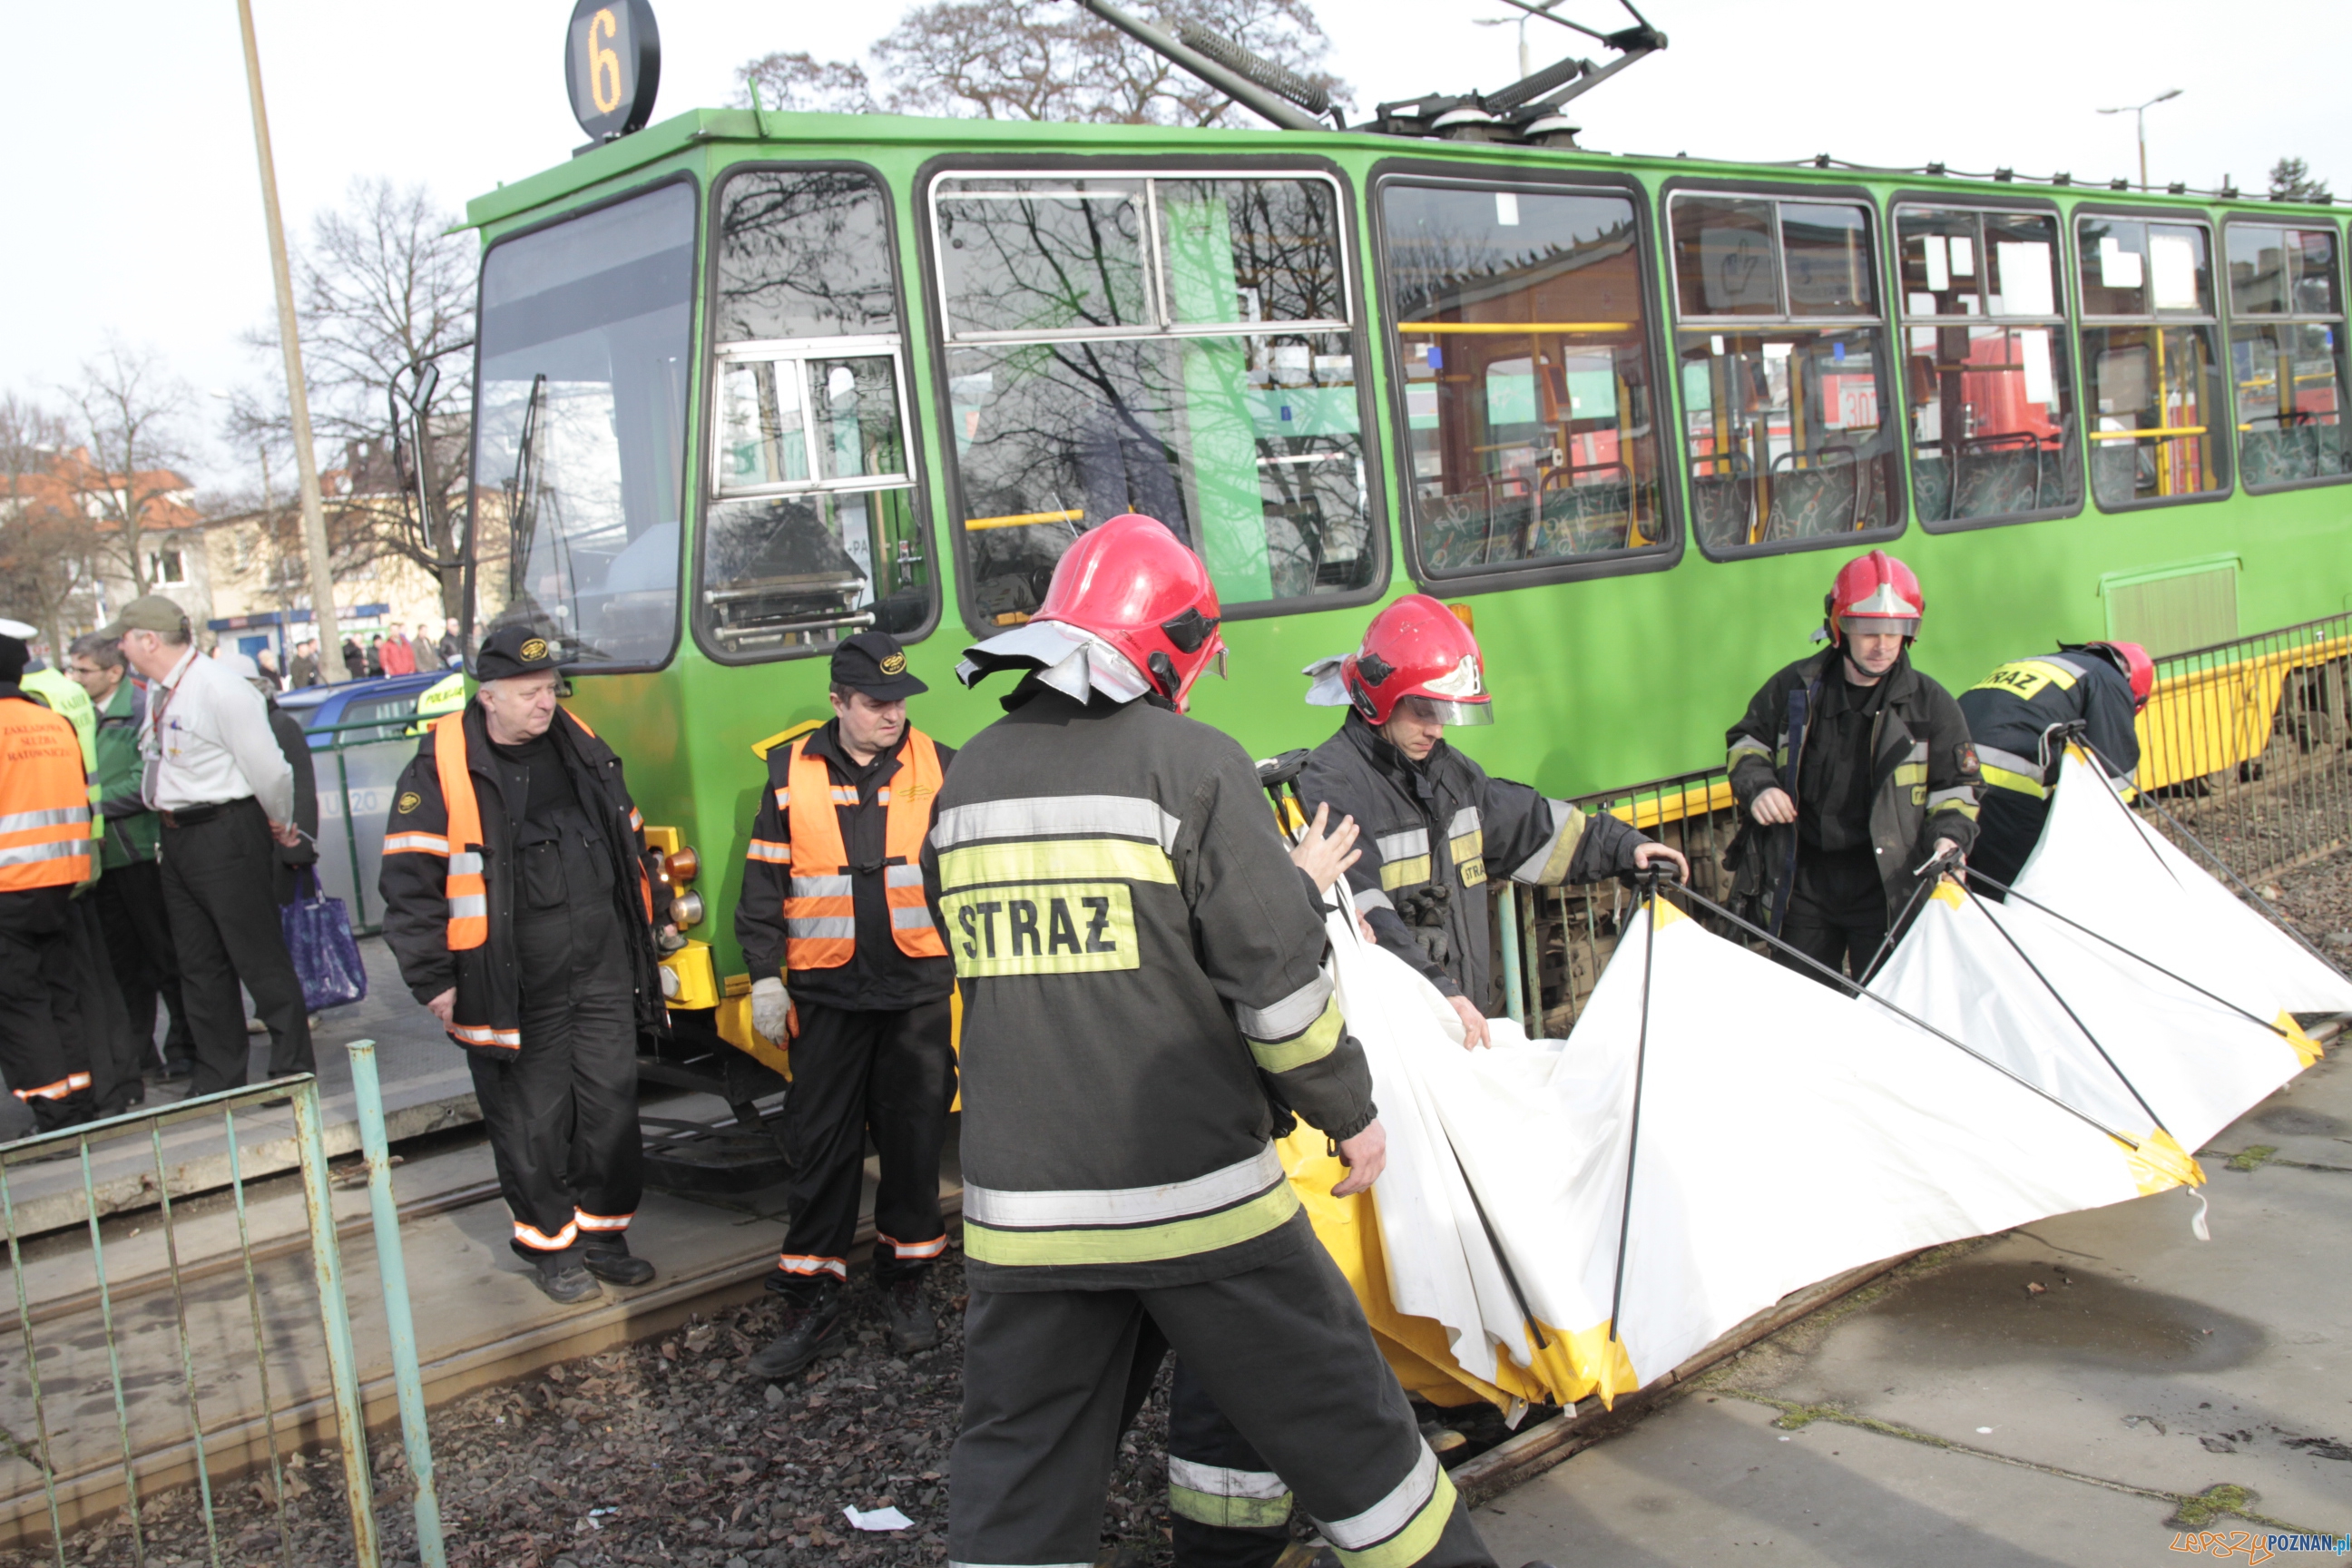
(669, 983)
(771, 1008)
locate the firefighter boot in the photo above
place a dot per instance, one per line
(912, 1326)
(815, 1324)
(608, 1258)
(559, 1274)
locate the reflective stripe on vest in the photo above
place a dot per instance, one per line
(44, 800)
(467, 894)
(820, 917)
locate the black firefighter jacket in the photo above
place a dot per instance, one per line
(2013, 713)
(416, 914)
(1434, 833)
(1924, 778)
(1134, 949)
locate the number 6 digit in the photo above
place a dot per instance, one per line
(604, 64)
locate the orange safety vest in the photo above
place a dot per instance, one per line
(44, 800)
(467, 894)
(820, 919)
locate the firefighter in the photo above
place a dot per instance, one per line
(844, 829)
(519, 901)
(1856, 777)
(1134, 952)
(2020, 717)
(1435, 827)
(44, 855)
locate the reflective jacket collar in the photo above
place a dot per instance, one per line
(826, 742)
(1415, 778)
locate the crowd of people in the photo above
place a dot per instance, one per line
(155, 810)
(1096, 885)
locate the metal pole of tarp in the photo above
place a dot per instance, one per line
(1633, 1124)
(392, 1272)
(342, 1371)
(1507, 915)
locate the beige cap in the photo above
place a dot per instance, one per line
(148, 613)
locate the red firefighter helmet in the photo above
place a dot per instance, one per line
(1874, 593)
(1133, 584)
(1417, 647)
(2132, 660)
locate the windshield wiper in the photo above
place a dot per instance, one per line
(523, 492)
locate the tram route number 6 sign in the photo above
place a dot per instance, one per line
(612, 65)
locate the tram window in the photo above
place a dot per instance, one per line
(2288, 358)
(1199, 371)
(803, 254)
(1784, 368)
(580, 429)
(812, 533)
(1521, 332)
(2151, 372)
(1991, 393)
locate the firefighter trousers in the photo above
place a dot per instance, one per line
(561, 1109)
(1282, 1349)
(855, 1072)
(1837, 912)
(1231, 1510)
(42, 1049)
(2009, 824)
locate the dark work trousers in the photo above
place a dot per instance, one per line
(891, 1073)
(139, 942)
(1837, 912)
(2009, 824)
(224, 927)
(561, 1111)
(115, 1080)
(1283, 1350)
(1229, 1509)
(42, 1049)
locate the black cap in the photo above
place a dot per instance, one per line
(514, 650)
(874, 663)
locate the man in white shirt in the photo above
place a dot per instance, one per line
(215, 773)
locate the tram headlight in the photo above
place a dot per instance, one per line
(681, 866)
(686, 909)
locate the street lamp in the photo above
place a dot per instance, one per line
(2138, 112)
(1527, 67)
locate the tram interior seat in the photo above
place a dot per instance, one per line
(2280, 456)
(1582, 519)
(2117, 470)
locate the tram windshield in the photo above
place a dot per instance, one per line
(580, 429)
(1178, 347)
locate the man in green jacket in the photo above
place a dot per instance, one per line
(130, 891)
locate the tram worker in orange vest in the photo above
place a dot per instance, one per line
(45, 854)
(840, 902)
(520, 903)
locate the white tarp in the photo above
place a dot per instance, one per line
(1787, 1133)
(2099, 865)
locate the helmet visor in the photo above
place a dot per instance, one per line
(1878, 625)
(1446, 712)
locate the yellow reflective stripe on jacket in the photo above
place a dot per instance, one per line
(2001, 778)
(1129, 1224)
(1395, 874)
(2026, 678)
(1133, 1244)
(1055, 859)
(1318, 1040)
(1547, 867)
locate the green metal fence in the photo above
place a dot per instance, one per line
(195, 1358)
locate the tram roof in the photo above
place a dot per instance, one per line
(838, 134)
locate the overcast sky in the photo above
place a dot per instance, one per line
(139, 215)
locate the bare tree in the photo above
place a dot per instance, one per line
(2291, 180)
(45, 543)
(129, 411)
(802, 82)
(385, 297)
(1047, 60)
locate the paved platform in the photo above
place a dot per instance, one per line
(1958, 1416)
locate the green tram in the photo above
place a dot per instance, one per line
(750, 382)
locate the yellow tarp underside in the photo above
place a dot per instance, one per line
(2213, 719)
(1570, 1367)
